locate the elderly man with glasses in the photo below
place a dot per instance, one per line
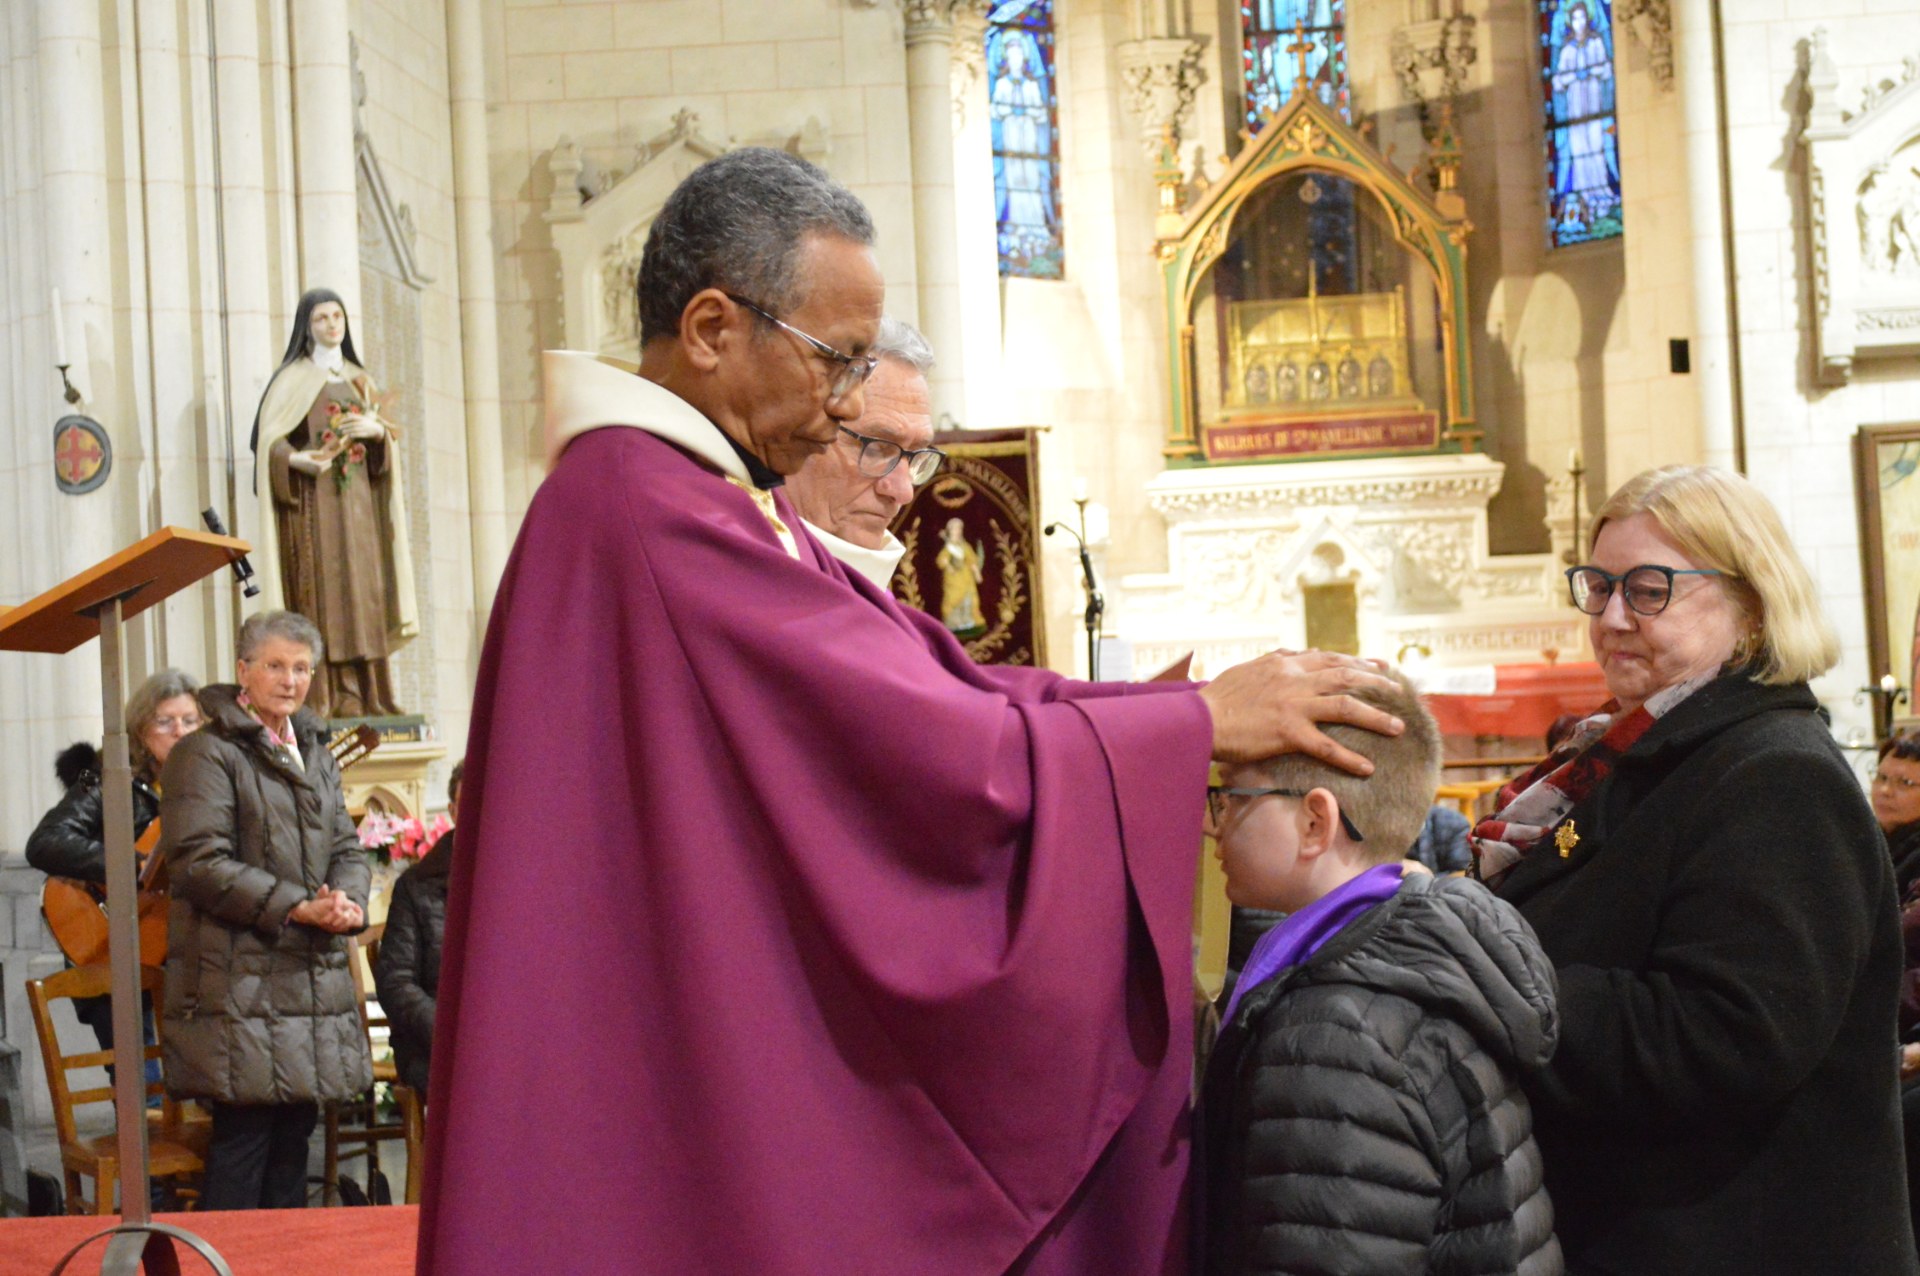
(849, 495)
(785, 935)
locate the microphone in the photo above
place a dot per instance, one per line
(242, 569)
(1096, 605)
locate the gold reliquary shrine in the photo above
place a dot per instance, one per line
(1316, 300)
(1332, 351)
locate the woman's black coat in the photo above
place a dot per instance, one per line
(1724, 1098)
(70, 840)
(407, 976)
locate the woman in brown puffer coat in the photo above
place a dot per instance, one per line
(260, 1015)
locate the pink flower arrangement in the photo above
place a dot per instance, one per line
(395, 837)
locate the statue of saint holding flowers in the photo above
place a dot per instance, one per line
(327, 465)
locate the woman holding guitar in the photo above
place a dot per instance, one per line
(68, 846)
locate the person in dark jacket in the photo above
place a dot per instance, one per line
(261, 1013)
(1896, 808)
(407, 976)
(1702, 867)
(70, 840)
(1362, 1109)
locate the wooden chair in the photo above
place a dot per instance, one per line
(365, 1131)
(176, 1143)
(1468, 795)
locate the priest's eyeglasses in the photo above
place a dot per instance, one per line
(1217, 795)
(879, 456)
(1647, 588)
(853, 369)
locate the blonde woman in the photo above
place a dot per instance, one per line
(1702, 867)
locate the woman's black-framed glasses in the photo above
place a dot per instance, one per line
(1217, 795)
(1647, 588)
(854, 369)
(879, 456)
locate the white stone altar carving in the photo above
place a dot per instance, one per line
(1410, 533)
(600, 221)
(1863, 196)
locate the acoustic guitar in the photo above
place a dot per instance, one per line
(76, 911)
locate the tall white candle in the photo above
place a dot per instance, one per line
(1079, 489)
(59, 332)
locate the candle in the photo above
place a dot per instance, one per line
(1573, 459)
(1079, 490)
(1889, 684)
(59, 332)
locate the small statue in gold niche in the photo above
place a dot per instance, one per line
(1349, 378)
(1379, 377)
(1289, 382)
(1257, 384)
(1319, 382)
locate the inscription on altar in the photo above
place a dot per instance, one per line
(1399, 431)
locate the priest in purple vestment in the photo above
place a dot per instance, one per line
(783, 938)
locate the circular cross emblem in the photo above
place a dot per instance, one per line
(82, 454)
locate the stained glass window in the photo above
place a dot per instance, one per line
(1583, 154)
(1025, 103)
(1266, 29)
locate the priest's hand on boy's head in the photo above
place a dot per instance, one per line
(1275, 703)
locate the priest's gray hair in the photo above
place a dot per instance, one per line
(737, 223)
(290, 625)
(903, 343)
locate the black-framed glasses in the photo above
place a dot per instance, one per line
(1647, 588)
(853, 370)
(879, 456)
(1217, 795)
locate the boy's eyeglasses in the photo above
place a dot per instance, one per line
(1217, 795)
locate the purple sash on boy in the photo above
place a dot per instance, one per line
(1300, 935)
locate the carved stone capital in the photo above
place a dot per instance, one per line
(1159, 78)
(928, 20)
(969, 54)
(1431, 59)
(1649, 24)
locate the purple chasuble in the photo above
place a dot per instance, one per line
(1300, 935)
(785, 939)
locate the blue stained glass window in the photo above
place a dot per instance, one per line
(1583, 152)
(1269, 70)
(1025, 108)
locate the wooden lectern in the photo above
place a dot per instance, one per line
(95, 602)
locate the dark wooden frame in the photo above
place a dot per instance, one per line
(1881, 645)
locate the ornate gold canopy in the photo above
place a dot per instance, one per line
(1307, 135)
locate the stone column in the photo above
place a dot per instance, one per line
(1715, 368)
(479, 327)
(323, 150)
(936, 242)
(976, 223)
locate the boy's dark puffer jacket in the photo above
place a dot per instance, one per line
(1362, 1111)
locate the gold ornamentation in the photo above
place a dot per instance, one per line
(1566, 839)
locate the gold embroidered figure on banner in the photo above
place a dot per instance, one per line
(1566, 839)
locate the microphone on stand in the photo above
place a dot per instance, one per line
(1096, 605)
(242, 569)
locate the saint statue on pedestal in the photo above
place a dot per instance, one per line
(334, 542)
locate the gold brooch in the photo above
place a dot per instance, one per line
(1566, 839)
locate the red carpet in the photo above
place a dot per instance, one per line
(372, 1241)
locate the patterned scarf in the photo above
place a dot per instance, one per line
(1531, 807)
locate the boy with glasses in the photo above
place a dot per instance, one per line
(1361, 1109)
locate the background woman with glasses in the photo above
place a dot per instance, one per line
(1703, 870)
(70, 840)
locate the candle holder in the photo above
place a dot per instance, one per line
(72, 392)
(1576, 471)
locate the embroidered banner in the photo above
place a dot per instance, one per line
(972, 546)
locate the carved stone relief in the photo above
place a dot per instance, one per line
(1863, 200)
(1649, 24)
(1409, 533)
(1431, 59)
(1159, 78)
